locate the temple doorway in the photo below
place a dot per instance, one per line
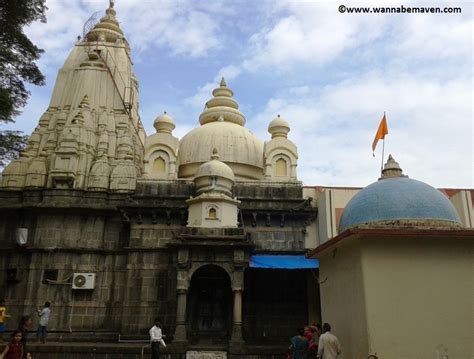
(275, 304)
(210, 305)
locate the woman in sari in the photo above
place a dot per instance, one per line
(299, 345)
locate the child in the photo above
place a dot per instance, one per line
(14, 349)
(43, 323)
(3, 316)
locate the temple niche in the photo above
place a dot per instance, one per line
(161, 150)
(281, 154)
(208, 232)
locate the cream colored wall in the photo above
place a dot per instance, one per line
(419, 297)
(226, 214)
(342, 299)
(329, 199)
(462, 201)
(314, 299)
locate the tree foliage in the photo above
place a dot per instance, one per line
(18, 54)
(18, 57)
(11, 144)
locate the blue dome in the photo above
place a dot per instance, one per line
(398, 199)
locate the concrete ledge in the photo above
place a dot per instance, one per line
(79, 350)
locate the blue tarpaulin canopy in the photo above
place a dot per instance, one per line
(282, 262)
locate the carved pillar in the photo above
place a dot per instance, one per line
(237, 317)
(180, 331)
(293, 171)
(236, 340)
(182, 286)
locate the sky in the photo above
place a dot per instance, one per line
(330, 74)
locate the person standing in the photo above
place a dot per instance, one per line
(25, 325)
(328, 346)
(313, 343)
(43, 322)
(156, 338)
(3, 316)
(299, 345)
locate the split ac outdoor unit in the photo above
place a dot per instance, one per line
(83, 281)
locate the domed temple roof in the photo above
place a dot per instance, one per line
(398, 200)
(216, 168)
(222, 128)
(214, 175)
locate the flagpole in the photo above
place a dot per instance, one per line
(383, 150)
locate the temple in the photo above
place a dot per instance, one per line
(214, 234)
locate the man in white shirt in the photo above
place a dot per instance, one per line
(328, 347)
(156, 338)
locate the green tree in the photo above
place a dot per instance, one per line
(18, 57)
(11, 144)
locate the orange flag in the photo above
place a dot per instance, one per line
(381, 132)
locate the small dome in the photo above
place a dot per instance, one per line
(278, 127)
(164, 123)
(214, 167)
(214, 175)
(400, 201)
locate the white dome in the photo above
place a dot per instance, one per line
(222, 129)
(237, 146)
(214, 175)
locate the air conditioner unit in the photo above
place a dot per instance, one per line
(21, 236)
(83, 281)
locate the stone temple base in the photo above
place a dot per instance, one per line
(206, 355)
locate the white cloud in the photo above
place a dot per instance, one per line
(229, 72)
(180, 27)
(203, 94)
(430, 124)
(441, 36)
(65, 20)
(175, 27)
(313, 33)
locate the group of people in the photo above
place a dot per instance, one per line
(16, 348)
(314, 341)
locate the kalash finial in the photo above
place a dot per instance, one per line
(111, 11)
(392, 169)
(215, 155)
(223, 83)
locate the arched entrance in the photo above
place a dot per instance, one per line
(209, 305)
